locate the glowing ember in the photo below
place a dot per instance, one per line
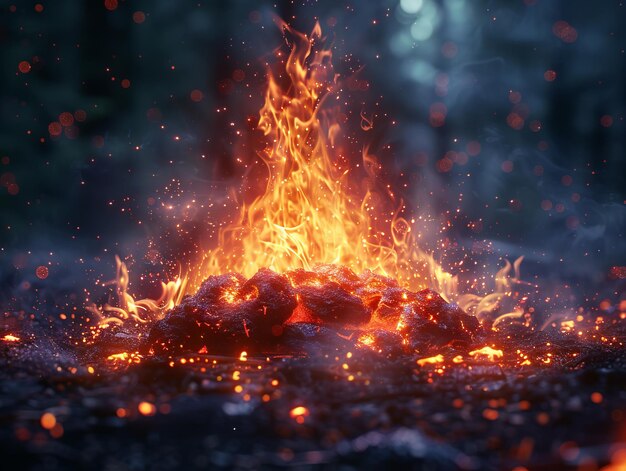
(490, 353)
(299, 413)
(367, 340)
(146, 408)
(125, 357)
(567, 326)
(430, 360)
(48, 421)
(10, 338)
(312, 307)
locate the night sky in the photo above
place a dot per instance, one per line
(505, 118)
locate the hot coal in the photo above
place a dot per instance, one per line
(328, 305)
(227, 314)
(429, 321)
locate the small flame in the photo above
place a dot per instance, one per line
(483, 306)
(127, 308)
(10, 338)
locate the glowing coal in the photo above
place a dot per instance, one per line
(332, 304)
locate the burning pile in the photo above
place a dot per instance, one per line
(270, 312)
(292, 256)
(315, 263)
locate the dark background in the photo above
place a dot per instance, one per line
(525, 157)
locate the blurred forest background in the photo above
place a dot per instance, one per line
(116, 121)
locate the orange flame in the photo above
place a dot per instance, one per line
(127, 308)
(307, 214)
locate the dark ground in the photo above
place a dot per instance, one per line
(478, 414)
(399, 418)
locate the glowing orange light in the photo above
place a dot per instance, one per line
(490, 414)
(430, 360)
(298, 413)
(125, 357)
(146, 408)
(10, 338)
(367, 340)
(307, 213)
(48, 420)
(488, 352)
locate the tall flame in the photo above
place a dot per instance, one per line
(307, 213)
